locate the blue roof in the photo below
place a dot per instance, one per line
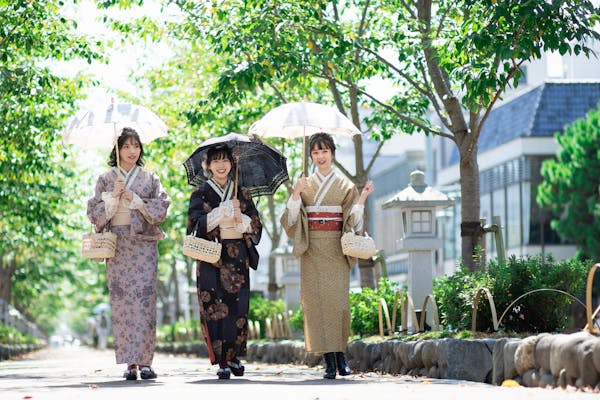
(542, 111)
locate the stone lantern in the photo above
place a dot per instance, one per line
(290, 276)
(419, 203)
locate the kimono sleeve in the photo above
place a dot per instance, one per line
(249, 208)
(96, 209)
(298, 232)
(350, 199)
(157, 203)
(198, 216)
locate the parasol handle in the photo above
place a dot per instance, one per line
(236, 181)
(116, 145)
(303, 150)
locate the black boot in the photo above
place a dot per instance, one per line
(342, 367)
(329, 366)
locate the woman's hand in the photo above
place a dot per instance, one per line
(367, 190)
(299, 187)
(237, 212)
(127, 195)
(118, 188)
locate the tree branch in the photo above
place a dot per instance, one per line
(393, 110)
(344, 170)
(379, 147)
(477, 131)
(363, 18)
(409, 8)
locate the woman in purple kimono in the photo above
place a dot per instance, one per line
(131, 203)
(216, 212)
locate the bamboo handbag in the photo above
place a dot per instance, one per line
(99, 245)
(201, 249)
(358, 246)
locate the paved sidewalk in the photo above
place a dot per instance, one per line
(81, 373)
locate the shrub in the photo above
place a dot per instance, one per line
(180, 331)
(455, 294)
(261, 309)
(10, 335)
(297, 321)
(364, 306)
(540, 311)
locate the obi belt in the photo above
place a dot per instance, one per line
(324, 218)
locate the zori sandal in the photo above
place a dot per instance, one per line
(237, 369)
(132, 373)
(147, 372)
(224, 373)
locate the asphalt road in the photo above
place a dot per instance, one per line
(80, 373)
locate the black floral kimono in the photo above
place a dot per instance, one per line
(224, 287)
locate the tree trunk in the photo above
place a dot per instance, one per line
(162, 294)
(275, 242)
(5, 279)
(470, 227)
(272, 287)
(192, 293)
(178, 313)
(6, 272)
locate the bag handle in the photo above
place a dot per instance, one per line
(195, 230)
(105, 229)
(357, 234)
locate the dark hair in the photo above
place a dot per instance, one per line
(218, 153)
(126, 134)
(322, 141)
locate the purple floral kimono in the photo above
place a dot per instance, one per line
(131, 274)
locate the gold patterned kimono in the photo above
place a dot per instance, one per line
(325, 212)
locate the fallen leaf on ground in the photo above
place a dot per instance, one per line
(510, 383)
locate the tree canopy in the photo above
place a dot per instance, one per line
(35, 174)
(447, 63)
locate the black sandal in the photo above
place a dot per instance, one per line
(236, 367)
(224, 373)
(131, 373)
(147, 372)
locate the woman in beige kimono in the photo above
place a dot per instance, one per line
(131, 203)
(321, 207)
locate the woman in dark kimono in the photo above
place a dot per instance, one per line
(216, 212)
(132, 202)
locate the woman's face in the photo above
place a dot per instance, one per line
(220, 169)
(129, 153)
(323, 159)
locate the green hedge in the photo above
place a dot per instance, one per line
(540, 311)
(9, 335)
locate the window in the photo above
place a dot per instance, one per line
(421, 222)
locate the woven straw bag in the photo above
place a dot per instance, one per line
(201, 249)
(99, 245)
(358, 246)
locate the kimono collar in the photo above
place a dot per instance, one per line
(128, 177)
(225, 192)
(324, 182)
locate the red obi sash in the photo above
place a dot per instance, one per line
(324, 221)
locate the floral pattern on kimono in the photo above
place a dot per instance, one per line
(132, 272)
(224, 287)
